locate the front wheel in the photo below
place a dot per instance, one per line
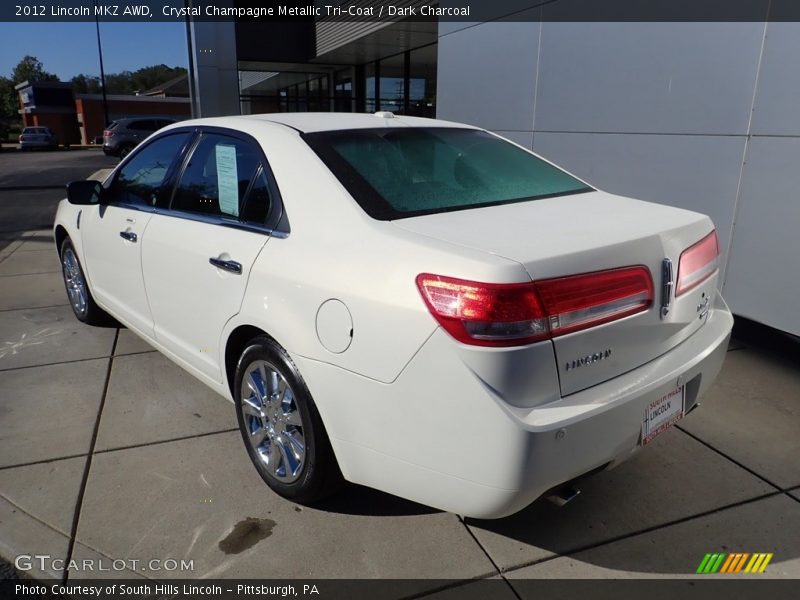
(280, 425)
(80, 298)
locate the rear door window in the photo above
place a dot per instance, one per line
(217, 177)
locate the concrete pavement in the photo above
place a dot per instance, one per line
(107, 450)
(32, 183)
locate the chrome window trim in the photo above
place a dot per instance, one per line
(195, 133)
(209, 219)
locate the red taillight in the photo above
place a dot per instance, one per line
(582, 301)
(107, 133)
(484, 314)
(490, 314)
(698, 262)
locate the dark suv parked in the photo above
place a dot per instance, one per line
(122, 136)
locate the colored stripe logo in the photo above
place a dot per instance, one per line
(737, 562)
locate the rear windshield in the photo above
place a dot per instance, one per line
(394, 173)
(34, 130)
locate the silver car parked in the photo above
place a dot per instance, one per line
(37, 137)
(123, 135)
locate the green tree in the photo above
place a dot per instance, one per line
(86, 84)
(31, 69)
(8, 99)
(150, 77)
(119, 83)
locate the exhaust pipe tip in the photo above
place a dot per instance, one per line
(563, 495)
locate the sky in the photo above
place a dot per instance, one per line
(68, 49)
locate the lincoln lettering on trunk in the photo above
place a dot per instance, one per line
(588, 360)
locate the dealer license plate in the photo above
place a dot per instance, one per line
(662, 413)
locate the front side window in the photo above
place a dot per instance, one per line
(396, 172)
(141, 179)
(217, 177)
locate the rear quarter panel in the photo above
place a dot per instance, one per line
(335, 250)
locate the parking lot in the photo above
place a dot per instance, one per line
(108, 450)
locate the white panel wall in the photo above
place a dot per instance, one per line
(685, 114)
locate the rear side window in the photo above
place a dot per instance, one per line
(217, 177)
(397, 172)
(141, 179)
(144, 125)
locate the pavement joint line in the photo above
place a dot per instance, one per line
(44, 461)
(25, 275)
(2, 310)
(34, 517)
(117, 449)
(158, 442)
(511, 587)
(88, 466)
(10, 254)
(789, 495)
(37, 273)
(646, 530)
(489, 556)
(77, 360)
(730, 458)
(450, 586)
(109, 557)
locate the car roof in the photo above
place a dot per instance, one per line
(124, 120)
(311, 122)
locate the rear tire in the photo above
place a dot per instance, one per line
(80, 298)
(124, 151)
(280, 425)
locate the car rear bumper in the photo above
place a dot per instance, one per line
(37, 144)
(439, 436)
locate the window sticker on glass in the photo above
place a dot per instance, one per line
(227, 179)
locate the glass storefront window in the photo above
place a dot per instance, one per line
(392, 84)
(370, 91)
(343, 91)
(404, 84)
(422, 82)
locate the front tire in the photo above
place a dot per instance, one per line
(280, 425)
(80, 298)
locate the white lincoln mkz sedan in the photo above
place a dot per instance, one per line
(414, 305)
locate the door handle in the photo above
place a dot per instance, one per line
(228, 265)
(128, 235)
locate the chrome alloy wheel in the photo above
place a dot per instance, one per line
(76, 284)
(273, 424)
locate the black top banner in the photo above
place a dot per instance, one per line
(397, 10)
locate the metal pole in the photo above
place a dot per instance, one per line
(193, 100)
(102, 71)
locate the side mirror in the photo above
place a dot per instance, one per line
(84, 192)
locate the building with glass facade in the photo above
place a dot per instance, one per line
(699, 115)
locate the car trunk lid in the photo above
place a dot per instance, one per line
(584, 233)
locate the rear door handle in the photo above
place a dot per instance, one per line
(228, 265)
(128, 235)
